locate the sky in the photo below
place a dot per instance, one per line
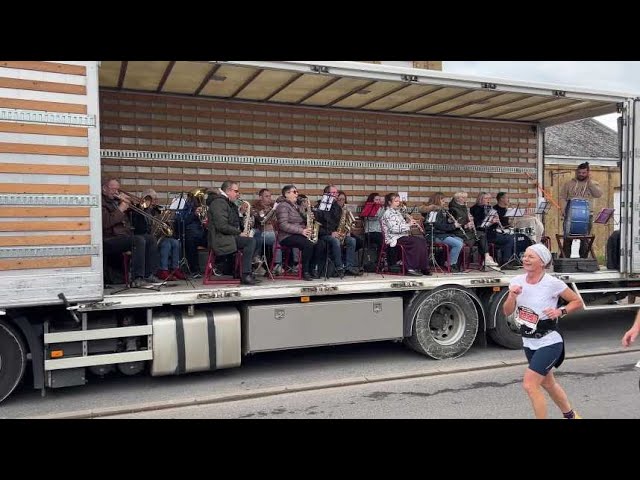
(623, 77)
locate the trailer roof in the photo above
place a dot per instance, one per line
(365, 87)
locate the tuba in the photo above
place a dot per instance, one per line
(312, 224)
(247, 228)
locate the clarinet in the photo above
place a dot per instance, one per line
(473, 225)
(455, 221)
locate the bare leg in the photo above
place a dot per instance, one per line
(531, 383)
(556, 393)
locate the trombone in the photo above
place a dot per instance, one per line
(166, 229)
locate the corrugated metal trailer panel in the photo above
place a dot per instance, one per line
(50, 239)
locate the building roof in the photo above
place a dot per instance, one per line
(587, 138)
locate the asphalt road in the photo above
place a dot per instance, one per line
(586, 333)
(603, 387)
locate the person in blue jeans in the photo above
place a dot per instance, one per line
(168, 247)
(329, 220)
(443, 228)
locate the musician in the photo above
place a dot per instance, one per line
(480, 211)
(372, 231)
(292, 227)
(329, 221)
(443, 228)
(118, 235)
(264, 234)
(226, 235)
(502, 199)
(459, 210)
(189, 225)
(582, 186)
(397, 231)
(342, 201)
(168, 247)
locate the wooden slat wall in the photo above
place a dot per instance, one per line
(49, 146)
(131, 121)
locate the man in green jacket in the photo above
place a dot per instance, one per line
(225, 231)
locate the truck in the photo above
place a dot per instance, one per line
(175, 125)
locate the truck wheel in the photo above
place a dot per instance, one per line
(13, 359)
(506, 332)
(445, 323)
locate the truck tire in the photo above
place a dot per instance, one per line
(506, 332)
(13, 359)
(445, 323)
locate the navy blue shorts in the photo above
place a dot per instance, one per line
(544, 359)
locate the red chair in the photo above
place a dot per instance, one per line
(209, 270)
(287, 253)
(466, 254)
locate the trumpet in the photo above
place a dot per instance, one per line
(126, 197)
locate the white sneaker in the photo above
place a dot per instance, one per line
(489, 262)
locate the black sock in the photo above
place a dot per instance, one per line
(570, 414)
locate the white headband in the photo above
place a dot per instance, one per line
(543, 252)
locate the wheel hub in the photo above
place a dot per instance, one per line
(447, 323)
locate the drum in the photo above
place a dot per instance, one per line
(528, 231)
(534, 226)
(522, 243)
(576, 217)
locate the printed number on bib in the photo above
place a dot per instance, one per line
(527, 317)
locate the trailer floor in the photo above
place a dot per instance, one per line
(195, 292)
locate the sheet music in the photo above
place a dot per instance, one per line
(326, 202)
(177, 203)
(514, 212)
(487, 220)
(432, 217)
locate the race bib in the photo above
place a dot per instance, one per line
(527, 317)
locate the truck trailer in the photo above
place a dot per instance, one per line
(178, 125)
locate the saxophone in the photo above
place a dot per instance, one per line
(312, 224)
(346, 224)
(248, 230)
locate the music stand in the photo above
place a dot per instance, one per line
(179, 204)
(431, 221)
(486, 222)
(604, 216)
(514, 212)
(370, 210)
(543, 208)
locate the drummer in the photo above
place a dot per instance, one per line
(582, 186)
